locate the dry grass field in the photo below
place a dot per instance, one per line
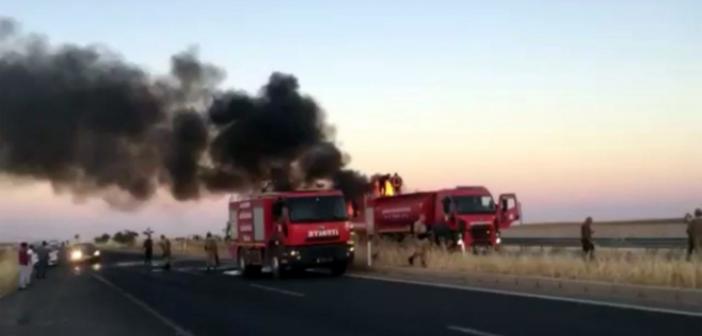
(8, 270)
(645, 267)
(643, 228)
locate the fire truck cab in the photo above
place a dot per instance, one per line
(473, 214)
(288, 231)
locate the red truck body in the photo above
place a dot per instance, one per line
(313, 231)
(469, 214)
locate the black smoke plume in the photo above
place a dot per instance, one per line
(91, 123)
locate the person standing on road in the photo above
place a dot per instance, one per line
(25, 266)
(420, 241)
(166, 252)
(694, 233)
(211, 251)
(586, 233)
(148, 250)
(43, 260)
(33, 260)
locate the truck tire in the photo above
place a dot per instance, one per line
(339, 268)
(246, 269)
(278, 271)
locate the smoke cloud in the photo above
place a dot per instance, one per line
(94, 124)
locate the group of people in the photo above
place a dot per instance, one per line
(421, 238)
(165, 246)
(164, 243)
(31, 261)
(693, 231)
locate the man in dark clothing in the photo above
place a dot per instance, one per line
(694, 233)
(148, 250)
(43, 260)
(586, 238)
(690, 238)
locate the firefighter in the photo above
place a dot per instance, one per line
(148, 250)
(586, 232)
(211, 251)
(694, 233)
(166, 252)
(420, 241)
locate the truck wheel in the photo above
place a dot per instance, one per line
(246, 269)
(278, 271)
(339, 268)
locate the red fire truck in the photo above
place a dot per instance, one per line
(468, 214)
(290, 230)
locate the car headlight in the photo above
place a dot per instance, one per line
(498, 240)
(294, 253)
(97, 253)
(77, 254)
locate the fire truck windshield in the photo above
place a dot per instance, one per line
(474, 204)
(316, 209)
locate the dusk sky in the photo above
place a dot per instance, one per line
(580, 107)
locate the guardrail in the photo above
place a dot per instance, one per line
(604, 242)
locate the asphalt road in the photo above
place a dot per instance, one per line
(126, 298)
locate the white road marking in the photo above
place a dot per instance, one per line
(232, 273)
(128, 263)
(470, 331)
(277, 290)
(180, 331)
(533, 296)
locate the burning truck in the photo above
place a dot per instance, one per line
(467, 215)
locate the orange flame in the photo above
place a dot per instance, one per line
(389, 189)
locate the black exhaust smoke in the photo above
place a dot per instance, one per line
(90, 123)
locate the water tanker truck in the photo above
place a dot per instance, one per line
(465, 214)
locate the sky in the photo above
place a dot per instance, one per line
(580, 107)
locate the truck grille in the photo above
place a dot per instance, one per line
(480, 233)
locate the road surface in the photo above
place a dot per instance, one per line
(123, 297)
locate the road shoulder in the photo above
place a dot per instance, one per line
(650, 297)
(69, 303)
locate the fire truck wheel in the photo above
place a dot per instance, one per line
(246, 270)
(278, 271)
(339, 268)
